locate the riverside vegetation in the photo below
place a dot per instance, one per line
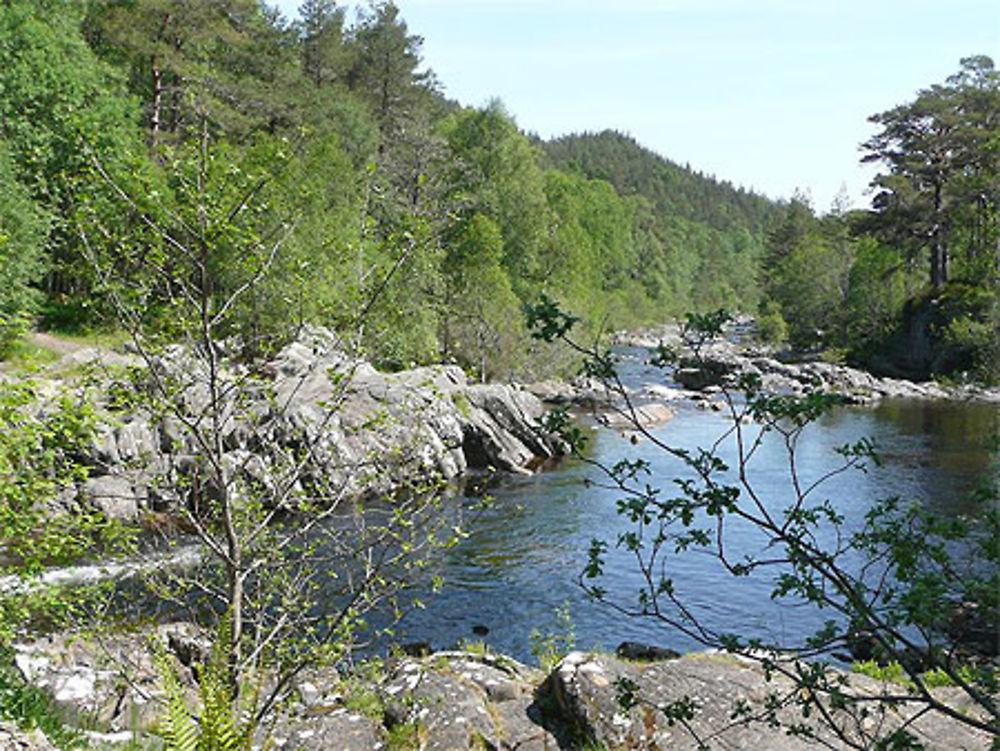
(214, 181)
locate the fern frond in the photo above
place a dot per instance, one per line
(177, 726)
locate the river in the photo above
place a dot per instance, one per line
(523, 556)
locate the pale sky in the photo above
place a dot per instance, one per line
(773, 95)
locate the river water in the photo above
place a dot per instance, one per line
(525, 552)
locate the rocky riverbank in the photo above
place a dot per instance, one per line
(456, 700)
(721, 363)
(366, 431)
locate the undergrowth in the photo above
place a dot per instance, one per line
(31, 708)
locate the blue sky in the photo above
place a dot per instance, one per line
(772, 95)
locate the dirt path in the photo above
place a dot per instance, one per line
(57, 344)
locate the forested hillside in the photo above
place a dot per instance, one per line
(318, 165)
(319, 162)
(673, 190)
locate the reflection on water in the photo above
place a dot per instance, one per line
(525, 552)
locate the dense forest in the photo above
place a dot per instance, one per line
(320, 160)
(415, 226)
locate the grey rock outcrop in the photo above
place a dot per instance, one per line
(321, 728)
(13, 738)
(722, 363)
(584, 690)
(463, 701)
(449, 701)
(108, 681)
(361, 431)
(453, 701)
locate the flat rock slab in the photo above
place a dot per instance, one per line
(324, 730)
(584, 688)
(644, 416)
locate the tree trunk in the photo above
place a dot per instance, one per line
(939, 251)
(155, 117)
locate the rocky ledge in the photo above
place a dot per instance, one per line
(722, 363)
(456, 700)
(364, 431)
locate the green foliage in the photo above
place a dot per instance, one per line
(56, 100)
(31, 707)
(694, 242)
(359, 692)
(937, 202)
(224, 720)
(894, 672)
(808, 268)
(673, 190)
(876, 296)
(771, 323)
(939, 155)
(177, 726)
(546, 321)
(389, 204)
(270, 220)
(222, 65)
(405, 737)
(23, 229)
(549, 647)
(385, 58)
(40, 446)
(496, 172)
(479, 326)
(972, 334)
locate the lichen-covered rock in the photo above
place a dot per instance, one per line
(13, 738)
(461, 700)
(458, 701)
(323, 729)
(107, 681)
(362, 431)
(729, 702)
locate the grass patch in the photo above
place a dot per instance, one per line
(25, 356)
(404, 737)
(364, 700)
(893, 672)
(31, 708)
(33, 353)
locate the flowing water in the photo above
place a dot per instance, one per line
(525, 552)
(523, 557)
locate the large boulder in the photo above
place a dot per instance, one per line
(108, 681)
(729, 703)
(461, 700)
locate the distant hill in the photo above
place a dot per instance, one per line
(672, 189)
